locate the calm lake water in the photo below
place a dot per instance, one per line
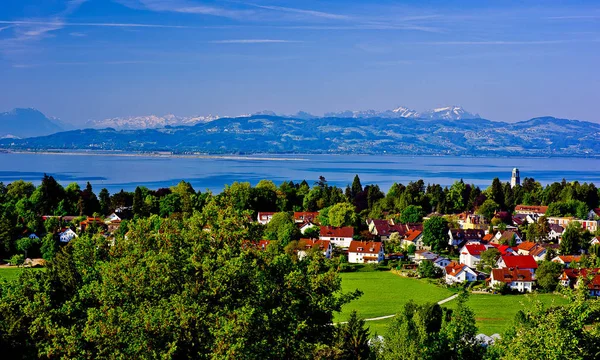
(126, 172)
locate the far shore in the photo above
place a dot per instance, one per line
(156, 155)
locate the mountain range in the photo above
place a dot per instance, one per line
(20, 123)
(444, 131)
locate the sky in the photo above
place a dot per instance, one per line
(81, 60)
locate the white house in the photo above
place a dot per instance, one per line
(441, 262)
(323, 245)
(414, 237)
(566, 260)
(421, 255)
(470, 254)
(67, 235)
(264, 217)
(506, 236)
(307, 225)
(594, 214)
(113, 217)
(339, 236)
(516, 279)
(459, 273)
(521, 262)
(556, 232)
(531, 210)
(362, 252)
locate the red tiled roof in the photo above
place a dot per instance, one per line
(341, 232)
(488, 237)
(537, 250)
(263, 215)
(569, 258)
(454, 268)
(322, 244)
(526, 245)
(510, 275)
(306, 215)
(475, 249)
(520, 261)
(370, 247)
(532, 208)
(412, 235)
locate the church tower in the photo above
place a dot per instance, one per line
(515, 178)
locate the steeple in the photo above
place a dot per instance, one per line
(515, 178)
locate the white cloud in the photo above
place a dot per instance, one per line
(184, 7)
(60, 24)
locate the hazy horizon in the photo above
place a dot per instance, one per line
(80, 60)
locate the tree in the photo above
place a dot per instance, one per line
(412, 214)
(312, 232)
(489, 257)
(460, 333)
(356, 187)
(488, 209)
(427, 270)
(496, 193)
(25, 244)
(139, 206)
(353, 339)
(435, 233)
(571, 238)
(282, 228)
(104, 198)
(49, 247)
(342, 214)
(547, 275)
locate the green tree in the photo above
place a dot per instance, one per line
(427, 270)
(342, 214)
(104, 198)
(435, 233)
(489, 258)
(488, 209)
(412, 214)
(49, 247)
(353, 339)
(25, 244)
(547, 275)
(571, 238)
(282, 228)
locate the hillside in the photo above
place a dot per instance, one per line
(275, 134)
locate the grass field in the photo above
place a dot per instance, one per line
(12, 273)
(385, 293)
(494, 313)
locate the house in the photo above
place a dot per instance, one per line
(504, 249)
(593, 285)
(305, 226)
(414, 237)
(516, 278)
(458, 237)
(264, 217)
(306, 216)
(590, 225)
(538, 252)
(363, 252)
(569, 277)
(384, 229)
(339, 236)
(594, 214)
(67, 235)
(521, 262)
(323, 245)
(422, 255)
(525, 247)
(459, 273)
(470, 254)
(506, 236)
(113, 217)
(531, 210)
(595, 241)
(91, 221)
(566, 260)
(113, 225)
(475, 222)
(556, 232)
(441, 262)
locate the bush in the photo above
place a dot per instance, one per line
(18, 259)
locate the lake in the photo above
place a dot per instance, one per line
(116, 172)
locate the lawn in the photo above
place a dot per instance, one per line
(384, 293)
(12, 273)
(494, 313)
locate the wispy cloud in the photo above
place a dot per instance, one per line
(61, 24)
(253, 41)
(184, 7)
(77, 34)
(575, 17)
(95, 63)
(319, 14)
(502, 42)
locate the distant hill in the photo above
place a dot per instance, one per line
(545, 136)
(26, 123)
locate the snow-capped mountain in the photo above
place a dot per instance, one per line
(148, 122)
(449, 113)
(445, 113)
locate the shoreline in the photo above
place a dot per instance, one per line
(155, 155)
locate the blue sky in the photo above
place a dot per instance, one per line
(93, 59)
